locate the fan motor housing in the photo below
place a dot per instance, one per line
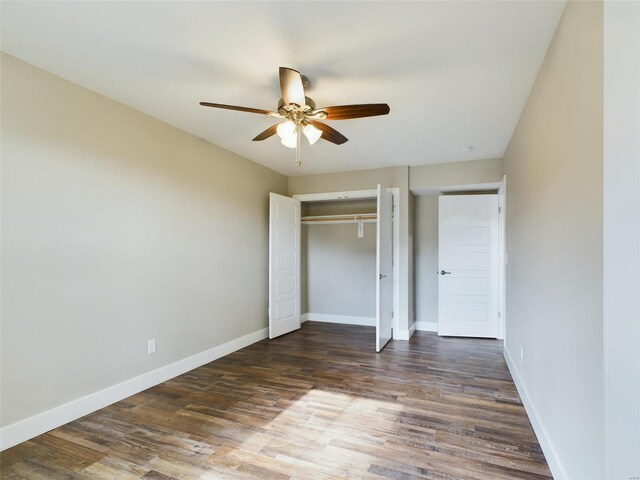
(310, 105)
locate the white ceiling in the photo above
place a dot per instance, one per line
(453, 73)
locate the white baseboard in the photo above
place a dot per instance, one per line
(401, 334)
(345, 319)
(427, 326)
(549, 451)
(353, 320)
(404, 334)
(43, 422)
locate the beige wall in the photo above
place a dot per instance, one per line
(554, 241)
(426, 258)
(117, 228)
(353, 180)
(430, 178)
(622, 237)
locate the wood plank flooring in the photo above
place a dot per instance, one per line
(318, 403)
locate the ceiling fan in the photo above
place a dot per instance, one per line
(301, 115)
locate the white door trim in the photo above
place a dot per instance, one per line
(397, 335)
(502, 259)
(330, 196)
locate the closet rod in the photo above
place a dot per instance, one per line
(349, 218)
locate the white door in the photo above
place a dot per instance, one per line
(468, 258)
(384, 290)
(284, 265)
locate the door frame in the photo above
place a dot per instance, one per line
(503, 256)
(395, 191)
(372, 194)
(503, 259)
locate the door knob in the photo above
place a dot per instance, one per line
(381, 276)
(442, 272)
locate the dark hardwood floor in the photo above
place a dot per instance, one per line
(318, 403)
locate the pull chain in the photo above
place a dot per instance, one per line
(298, 162)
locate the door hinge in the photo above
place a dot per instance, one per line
(499, 314)
(499, 209)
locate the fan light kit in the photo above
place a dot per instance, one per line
(301, 116)
(288, 132)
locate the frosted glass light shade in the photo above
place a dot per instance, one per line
(312, 133)
(286, 130)
(291, 142)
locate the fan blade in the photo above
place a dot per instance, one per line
(291, 86)
(330, 134)
(345, 112)
(234, 107)
(267, 133)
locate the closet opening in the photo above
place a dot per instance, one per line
(345, 262)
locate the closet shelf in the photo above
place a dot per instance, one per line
(348, 218)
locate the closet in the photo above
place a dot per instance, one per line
(312, 246)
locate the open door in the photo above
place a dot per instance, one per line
(384, 290)
(284, 265)
(469, 261)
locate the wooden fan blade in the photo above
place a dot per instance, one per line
(291, 86)
(234, 107)
(266, 134)
(345, 112)
(330, 134)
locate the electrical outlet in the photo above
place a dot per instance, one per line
(151, 346)
(521, 354)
